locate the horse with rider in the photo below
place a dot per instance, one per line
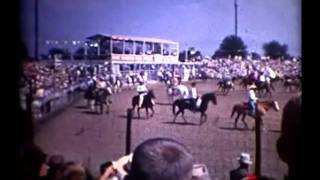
(253, 107)
(98, 95)
(226, 84)
(190, 99)
(144, 99)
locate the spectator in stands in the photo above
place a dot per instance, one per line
(243, 170)
(289, 141)
(159, 159)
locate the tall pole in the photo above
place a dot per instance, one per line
(128, 131)
(258, 121)
(236, 17)
(36, 28)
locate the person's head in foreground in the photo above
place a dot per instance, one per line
(244, 160)
(161, 159)
(75, 171)
(290, 138)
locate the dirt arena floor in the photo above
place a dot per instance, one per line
(93, 139)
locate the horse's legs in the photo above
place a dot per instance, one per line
(204, 117)
(152, 110)
(147, 112)
(138, 111)
(244, 122)
(236, 120)
(272, 87)
(201, 117)
(101, 108)
(107, 108)
(183, 116)
(175, 116)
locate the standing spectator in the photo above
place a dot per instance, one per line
(289, 141)
(34, 166)
(159, 159)
(243, 170)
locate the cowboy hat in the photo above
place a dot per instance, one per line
(245, 158)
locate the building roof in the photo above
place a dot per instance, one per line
(133, 38)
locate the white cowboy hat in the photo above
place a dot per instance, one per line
(245, 158)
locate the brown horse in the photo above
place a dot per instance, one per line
(261, 108)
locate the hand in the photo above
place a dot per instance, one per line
(107, 173)
(120, 163)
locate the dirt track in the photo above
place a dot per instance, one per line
(93, 139)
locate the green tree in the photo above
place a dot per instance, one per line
(79, 54)
(63, 53)
(274, 50)
(231, 46)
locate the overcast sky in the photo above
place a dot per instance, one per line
(198, 23)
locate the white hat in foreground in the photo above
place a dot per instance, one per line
(245, 158)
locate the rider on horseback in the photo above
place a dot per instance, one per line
(252, 99)
(183, 90)
(142, 91)
(195, 100)
(262, 79)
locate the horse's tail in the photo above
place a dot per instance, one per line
(174, 107)
(233, 110)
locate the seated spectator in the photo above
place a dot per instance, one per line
(290, 138)
(158, 159)
(243, 170)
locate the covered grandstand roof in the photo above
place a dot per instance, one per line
(133, 38)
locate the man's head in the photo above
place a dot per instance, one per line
(33, 162)
(244, 159)
(73, 171)
(161, 159)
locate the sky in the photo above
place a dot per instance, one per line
(193, 23)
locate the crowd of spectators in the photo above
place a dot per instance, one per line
(44, 84)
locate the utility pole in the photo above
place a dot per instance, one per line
(258, 121)
(236, 17)
(36, 28)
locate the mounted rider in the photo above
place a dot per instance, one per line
(227, 80)
(261, 79)
(183, 90)
(270, 75)
(142, 91)
(252, 99)
(194, 98)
